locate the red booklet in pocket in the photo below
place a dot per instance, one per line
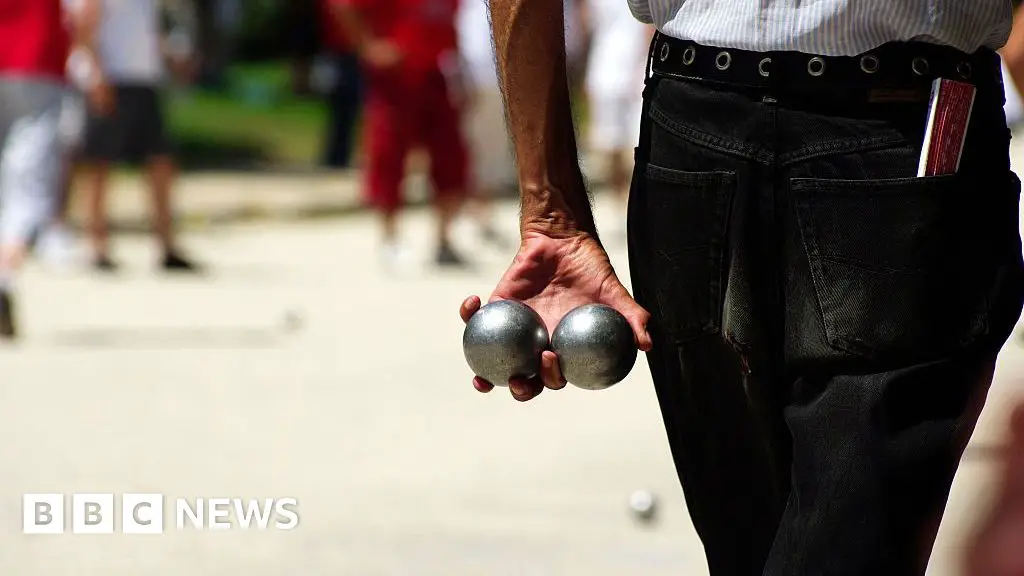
(949, 114)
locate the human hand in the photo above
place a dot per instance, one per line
(380, 54)
(101, 97)
(998, 549)
(553, 276)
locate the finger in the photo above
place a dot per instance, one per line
(550, 372)
(469, 307)
(482, 385)
(524, 389)
(638, 319)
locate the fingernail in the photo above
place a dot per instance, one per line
(518, 388)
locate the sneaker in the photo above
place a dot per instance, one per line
(396, 258)
(7, 330)
(103, 263)
(58, 248)
(174, 262)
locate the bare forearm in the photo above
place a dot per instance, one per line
(529, 37)
(85, 23)
(1013, 52)
(85, 63)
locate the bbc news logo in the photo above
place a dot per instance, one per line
(145, 513)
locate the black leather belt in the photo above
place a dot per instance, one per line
(896, 65)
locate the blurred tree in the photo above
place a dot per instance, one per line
(264, 29)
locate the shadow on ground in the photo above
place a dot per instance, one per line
(174, 338)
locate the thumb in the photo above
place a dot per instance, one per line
(637, 317)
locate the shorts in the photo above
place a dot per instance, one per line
(30, 156)
(134, 132)
(406, 110)
(614, 122)
(491, 156)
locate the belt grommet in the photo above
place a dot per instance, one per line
(689, 55)
(869, 63)
(723, 60)
(664, 52)
(816, 66)
(964, 70)
(762, 67)
(919, 66)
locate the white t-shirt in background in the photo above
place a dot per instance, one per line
(129, 42)
(477, 47)
(475, 44)
(618, 50)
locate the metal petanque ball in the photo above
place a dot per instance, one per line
(504, 339)
(595, 347)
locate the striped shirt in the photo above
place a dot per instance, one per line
(829, 27)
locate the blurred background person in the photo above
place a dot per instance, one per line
(407, 48)
(216, 26)
(302, 18)
(56, 243)
(577, 43)
(493, 167)
(614, 86)
(345, 94)
(123, 43)
(33, 54)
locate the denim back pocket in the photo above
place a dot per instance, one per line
(901, 267)
(686, 222)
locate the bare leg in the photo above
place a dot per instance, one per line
(96, 179)
(60, 213)
(447, 206)
(389, 224)
(162, 171)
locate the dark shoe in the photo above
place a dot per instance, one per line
(446, 256)
(103, 263)
(174, 262)
(7, 330)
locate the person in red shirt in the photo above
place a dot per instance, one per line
(345, 96)
(409, 53)
(34, 47)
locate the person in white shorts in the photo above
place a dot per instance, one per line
(491, 159)
(614, 85)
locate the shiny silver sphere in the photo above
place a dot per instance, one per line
(595, 347)
(504, 339)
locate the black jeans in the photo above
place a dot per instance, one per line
(825, 323)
